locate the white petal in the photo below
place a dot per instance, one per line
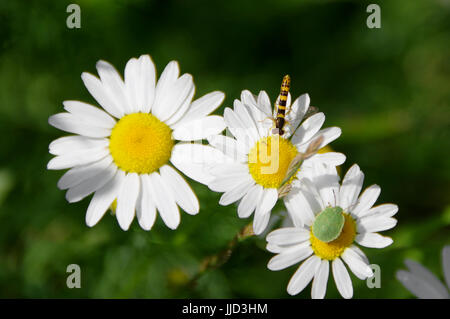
(342, 279)
(268, 201)
(351, 187)
(184, 106)
(90, 114)
(140, 78)
(290, 257)
(199, 129)
(356, 264)
(308, 128)
(238, 128)
(274, 248)
(422, 272)
(326, 181)
(366, 200)
(201, 107)
(301, 206)
(103, 199)
(260, 221)
(227, 183)
(145, 206)
(242, 112)
(183, 193)
(373, 240)
(126, 200)
(229, 147)
(193, 160)
(165, 201)
(446, 264)
(249, 201)
(73, 144)
(303, 275)
(165, 82)
(298, 110)
(102, 95)
(384, 210)
(288, 236)
(78, 174)
(236, 193)
(319, 285)
(73, 124)
(113, 83)
(329, 134)
(78, 158)
(375, 224)
(330, 158)
(419, 286)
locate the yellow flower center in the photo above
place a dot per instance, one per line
(140, 143)
(269, 159)
(335, 248)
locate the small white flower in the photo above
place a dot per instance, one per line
(314, 202)
(423, 283)
(123, 152)
(259, 160)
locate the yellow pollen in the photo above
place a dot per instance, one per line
(269, 159)
(140, 143)
(335, 248)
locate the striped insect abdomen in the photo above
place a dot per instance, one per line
(281, 105)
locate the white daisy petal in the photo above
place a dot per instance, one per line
(375, 224)
(327, 183)
(91, 184)
(356, 264)
(301, 205)
(366, 200)
(229, 182)
(126, 200)
(446, 264)
(373, 240)
(73, 124)
(78, 174)
(249, 201)
(145, 206)
(419, 286)
(77, 158)
(102, 95)
(201, 107)
(72, 144)
(163, 88)
(422, 272)
(288, 236)
(237, 128)
(242, 112)
(236, 193)
(303, 275)
(193, 160)
(228, 169)
(260, 221)
(361, 254)
(298, 111)
(351, 187)
(268, 200)
(185, 100)
(384, 210)
(103, 198)
(164, 200)
(90, 114)
(183, 193)
(329, 158)
(342, 279)
(308, 128)
(112, 81)
(230, 147)
(199, 129)
(273, 248)
(329, 134)
(319, 285)
(290, 257)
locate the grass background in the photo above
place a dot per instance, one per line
(388, 89)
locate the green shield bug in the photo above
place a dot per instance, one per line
(328, 224)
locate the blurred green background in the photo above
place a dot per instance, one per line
(388, 89)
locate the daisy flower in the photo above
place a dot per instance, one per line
(260, 159)
(330, 219)
(422, 283)
(123, 152)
